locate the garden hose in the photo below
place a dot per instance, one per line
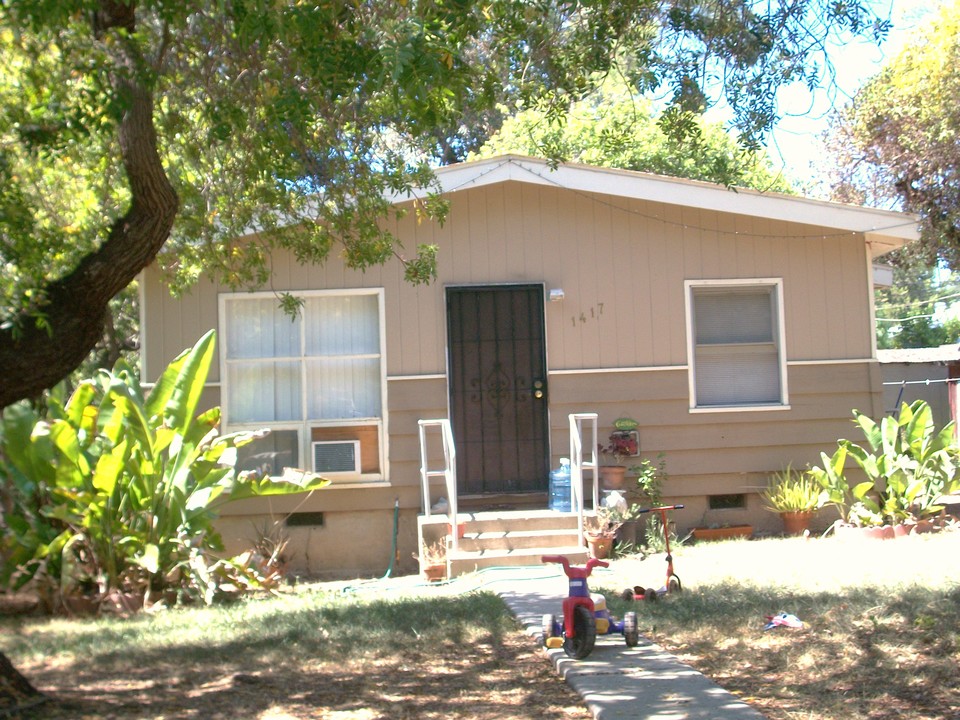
(393, 549)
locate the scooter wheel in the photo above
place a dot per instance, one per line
(674, 584)
(631, 633)
(584, 634)
(651, 595)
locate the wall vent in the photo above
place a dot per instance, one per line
(336, 456)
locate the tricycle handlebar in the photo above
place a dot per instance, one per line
(571, 571)
(659, 509)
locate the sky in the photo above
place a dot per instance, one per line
(796, 140)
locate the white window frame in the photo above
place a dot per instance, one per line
(779, 334)
(305, 426)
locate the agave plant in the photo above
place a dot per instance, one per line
(117, 491)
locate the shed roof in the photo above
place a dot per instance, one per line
(883, 230)
(937, 355)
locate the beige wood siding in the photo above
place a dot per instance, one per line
(616, 344)
(620, 263)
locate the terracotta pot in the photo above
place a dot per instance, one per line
(723, 533)
(435, 572)
(598, 545)
(613, 477)
(873, 532)
(796, 523)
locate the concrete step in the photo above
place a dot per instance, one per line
(517, 539)
(463, 562)
(484, 522)
(504, 538)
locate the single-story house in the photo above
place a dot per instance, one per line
(735, 327)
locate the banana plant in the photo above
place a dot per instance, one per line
(121, 490)
(908, 463)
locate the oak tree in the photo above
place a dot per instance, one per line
(134, 131)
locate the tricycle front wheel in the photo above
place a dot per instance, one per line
(584, 634)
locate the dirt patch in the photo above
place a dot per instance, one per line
(511, 678)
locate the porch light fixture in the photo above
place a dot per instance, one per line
(556, 295)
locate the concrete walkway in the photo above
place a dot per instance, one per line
(615, 681)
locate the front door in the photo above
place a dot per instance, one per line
(498, 388)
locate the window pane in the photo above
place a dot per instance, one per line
(263, 392)
(342, 325)
(270, 455)
(736, 358)
(733, 316)
(343, 388)
(730, 378)
(258, 328)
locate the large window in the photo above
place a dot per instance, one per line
(735, 344)
(316, 377)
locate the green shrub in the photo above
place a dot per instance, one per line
(117, 492)
(909, 466)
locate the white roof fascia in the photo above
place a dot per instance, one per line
(884, 230)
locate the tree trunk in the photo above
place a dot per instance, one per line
(16, 692)
(34, 357)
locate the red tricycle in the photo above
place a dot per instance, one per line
(584, 615)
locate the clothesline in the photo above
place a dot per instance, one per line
(923, 382)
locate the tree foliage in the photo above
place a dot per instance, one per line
(136, 128)
(897, 142)
(615, 128)
(908, 312)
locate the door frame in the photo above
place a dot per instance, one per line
(542, 287)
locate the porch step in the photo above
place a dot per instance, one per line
(463, 562)
(501, 538)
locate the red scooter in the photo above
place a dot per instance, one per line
(673, 583)
(584, 615)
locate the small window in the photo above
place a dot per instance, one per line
(735, 344)
(736, 501)
(305, 519)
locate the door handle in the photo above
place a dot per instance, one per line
(538, 394)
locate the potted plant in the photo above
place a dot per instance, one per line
(909, 467)
(600, 529)
(433, 560)
(795, 495)
(621, 444)
(722, 532)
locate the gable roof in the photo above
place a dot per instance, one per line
(883, 230)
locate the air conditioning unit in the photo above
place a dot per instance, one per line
(336, 457)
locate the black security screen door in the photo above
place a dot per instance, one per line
(498, 388)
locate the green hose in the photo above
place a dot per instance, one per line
(393, 550)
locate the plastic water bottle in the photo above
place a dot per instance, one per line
(560, 487)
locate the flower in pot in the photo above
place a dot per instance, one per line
(620, 445)
(795, 495)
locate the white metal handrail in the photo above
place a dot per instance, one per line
(580, 461)
(448, 473)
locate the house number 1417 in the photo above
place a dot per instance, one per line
(594, 314)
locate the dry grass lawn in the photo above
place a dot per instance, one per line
(881, 640)
(881, 635)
